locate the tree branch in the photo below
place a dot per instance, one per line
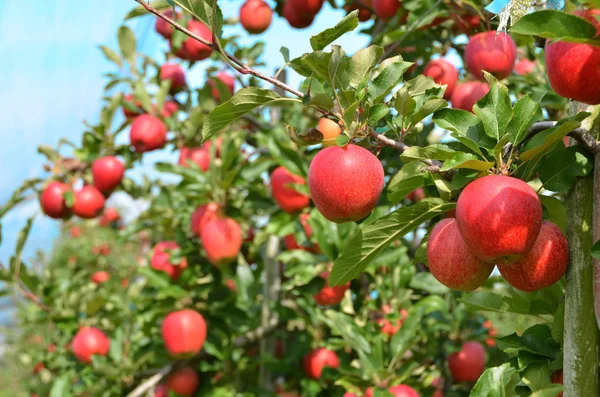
(581, 135)
(243, 68)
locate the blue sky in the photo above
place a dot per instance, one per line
(52, 81)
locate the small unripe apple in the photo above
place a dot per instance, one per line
(202, 215)
(289, 199)
(386, 9)
(169, 109)
(107, 172)
(468, 364)
(198, 155)
(255, 16)
(490, 51)
(499, 218)
(226, 79)
(330, 130)
(543, 265)
(443, 73)
(345, 182)
(89, 202)
(573, 69)
(195, 50)
(296, 19)
(524, 67)
(110, 215)
(315, 361)
(147, 133)
(184, 381)
(163, 27)
(160, 259)
(465, 95)
(128, 113)
(100, 277)
(557, 378)
(183, 333)
(89, 341)
(175, 73)
(329, 296)
(452, 262)
(52, 200)
(222, 240)
(307, 6)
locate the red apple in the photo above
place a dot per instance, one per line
(315, 361)
(329, 296)
(183, 333)
(169, 109)
(557, 378)
(290, 239)
(466, 22)
(202, 215)
(524, 67)
(222, 240)
(163, 27)
(52, 200)
(161, 391)
(388, 327)
(195, 50)
(226, 79)
(465, 95)
(75, 231)
(296, 19)
(499, 218)
(364, 12)
(468, 364)
(416, 195)
(184, 381)
(147, 133)
(345, 182)
(573, 68)
(89, 202)
(38, 367)
(451, 261)
(160, 259)
(290, 200)
(218, 143)
(255, 16)
(173, 72)
(490, 51)
(107, 172)
(543, 265)
(100, 277)
(110, 215)
(230, 283)
(307, 6)
(102, 250)
(198, 155)
(386, 9)
(128, 113)
(89, 341)
(443, 73)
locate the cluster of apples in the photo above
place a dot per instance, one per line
(498, 222)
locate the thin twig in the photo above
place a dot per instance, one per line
(150, 382)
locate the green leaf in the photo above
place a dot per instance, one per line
(377, 112)
(285, 52)
(495, 110)
(429, 107)
(552, 390)
(242, 102)
(466, 160)
(596, 250)
(322, 101)
(536, 375)
(408, 334)
(557, 25)
(142, 95)
(376, 236)
(536, 340)
(386, 77)
(426, 282)
(328, 36)
(338, 68)
(464, 127)
(111, 55)
(559, 170)
(410, 177)
(489, 301)
(432, 152)
(61, 387)
(140, 11)
(127, 44)
(404, 104)
(543, 142)
(526, 112)
(344, 325)
(15, 260)
(361, 64)
(557, 212)
(493, 381)
(203, 10)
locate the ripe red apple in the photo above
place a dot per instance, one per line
(468, 364)
(416, 195)
(163, 27)
(290, 239)
(524, 67)
(345, 182)
(195, 50)
(89, 341)
(307, 6)
(218, 143)
(364, 12)
(286, 196)
(169, 109)
(147, 133)
(202, 215)
(296, 19)
(499, 218)
(173, 72)
(544, 265)
(128, 113)
(557, 378)
(184, 381)
(226, 79)
(52, 200)
(443, 73)
(316, 360)
(38, 367)
(107, 172)
(198, 155)
(466, 22)
(255, 16)
(75, 231)
(573, 68)
(490, 51)
(183, 333)
(465, 95)
(100, 277)
(222, 240)
(160, 259)
(89, 202)
(110, 215)
(451, 261)
(386, 9)
(388, 327)
(161, 391)
(329, 296)
(330, 130)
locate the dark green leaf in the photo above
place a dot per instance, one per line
(328, 36)
(493, 381)
(557, 25)
(361, 64)
(559, 170)
(544, 141)
(495, 110)
(386, 77)
(203, 10)
(526, 112)
(557, 212)
(409, 178)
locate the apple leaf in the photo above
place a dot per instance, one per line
(410, 177)
(376, 236)
(204, 11)
(560, 169)
(328, 36)
(387, 76)
(127, 44)
(494, 109)
(557, 212)
(141, 11)
(362, 63)
(556, 25)
(466, 160)
(493, 381)
(543, 141)
(526, 112)
(111, 55)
